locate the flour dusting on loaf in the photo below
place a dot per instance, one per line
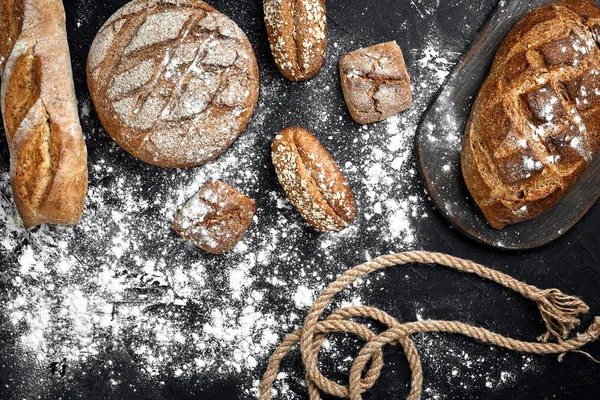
(375, 82)
(48, 155)
(174, 82)
(216, 218)
(535, 125)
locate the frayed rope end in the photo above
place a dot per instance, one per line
(588, 355)
(591, 335)
(593, 332)
(560, 313)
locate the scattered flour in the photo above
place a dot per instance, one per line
(122, 281)
(303, 297)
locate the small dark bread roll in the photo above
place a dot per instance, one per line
(312, 180)
(375, 82)
(297, 31)
(216, 218)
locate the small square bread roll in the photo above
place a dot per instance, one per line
(216, 218)
(375, 82)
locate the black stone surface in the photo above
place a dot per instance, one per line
(571, 263)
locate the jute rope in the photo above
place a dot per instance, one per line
(559, 313)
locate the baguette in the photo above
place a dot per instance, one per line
(535, 125)
(48, 157)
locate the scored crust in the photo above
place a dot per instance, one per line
(174, 82)
(312, 180)
(535, 124)
(48, 157)
(216, 218)
(375, 82)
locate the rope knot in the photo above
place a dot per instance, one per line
(560, 313)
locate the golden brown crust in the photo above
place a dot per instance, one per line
(48, 155)
(216, 218)
(535, 124)
(10, 28)
(312, 180)
(174, 82)
(297, 31)
(375, 82)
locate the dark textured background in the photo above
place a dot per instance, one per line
(572, 263)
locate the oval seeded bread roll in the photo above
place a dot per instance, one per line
(312, 180)
(297, 32)
(174, 82)
(535, 124)
(48, 165)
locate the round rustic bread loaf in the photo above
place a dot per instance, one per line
(174, 82)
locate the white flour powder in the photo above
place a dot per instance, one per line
(121, 279)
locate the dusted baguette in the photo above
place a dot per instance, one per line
(48, 165)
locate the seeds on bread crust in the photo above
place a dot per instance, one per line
(312, 180)
(297, 31)
(174, 82)
(216, 218)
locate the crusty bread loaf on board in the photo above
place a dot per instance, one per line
(48, 163)
(535, 125)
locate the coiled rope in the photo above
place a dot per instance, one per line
(559, 312)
